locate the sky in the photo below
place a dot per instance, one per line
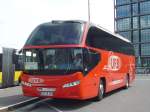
(19, 17)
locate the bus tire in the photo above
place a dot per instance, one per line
(127, 83)
(101, 91)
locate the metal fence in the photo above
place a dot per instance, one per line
(143, 70)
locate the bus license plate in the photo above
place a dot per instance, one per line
(47, 93)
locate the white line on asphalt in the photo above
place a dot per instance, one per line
(2, 89)
(6, 107)
(54, 108)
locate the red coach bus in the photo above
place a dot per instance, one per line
(76, 60)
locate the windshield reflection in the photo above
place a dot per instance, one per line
(53, 60)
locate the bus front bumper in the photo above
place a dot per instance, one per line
(54, 92)
(68, 87)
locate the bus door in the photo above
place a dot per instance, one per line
(112, 69)
(7, 68)
(131, 67)
(91, 59)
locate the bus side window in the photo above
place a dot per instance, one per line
(91, 59)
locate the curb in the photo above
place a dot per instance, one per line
(18, 105)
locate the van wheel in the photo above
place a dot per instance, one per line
(101, 91)
(127, 82)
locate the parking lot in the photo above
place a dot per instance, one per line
(135, 99)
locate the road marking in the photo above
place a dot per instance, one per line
(2, 89)
(54, 108)
(49, 105)
(13, 105)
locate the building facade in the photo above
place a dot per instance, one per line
(132, 20)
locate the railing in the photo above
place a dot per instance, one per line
(143, 70)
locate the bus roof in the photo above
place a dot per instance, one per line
(80, 21)
(63, 21)
(114, 34)
(53, 22)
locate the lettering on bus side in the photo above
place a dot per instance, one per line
(114, 63)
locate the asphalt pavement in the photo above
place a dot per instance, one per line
(10, 96)
(134, 99)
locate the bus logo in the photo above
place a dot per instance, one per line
(114, 63)
(36, 80)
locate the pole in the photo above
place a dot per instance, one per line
(89, 10)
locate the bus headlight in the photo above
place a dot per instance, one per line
(71, 84)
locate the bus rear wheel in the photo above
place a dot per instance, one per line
(127, 82)
(101, 91)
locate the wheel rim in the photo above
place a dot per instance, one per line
(127, 82)
(101, 87)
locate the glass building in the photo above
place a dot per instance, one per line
(132, 20)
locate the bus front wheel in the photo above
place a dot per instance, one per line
(101, 91)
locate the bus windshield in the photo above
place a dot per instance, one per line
(56, 34)
(53, 61)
